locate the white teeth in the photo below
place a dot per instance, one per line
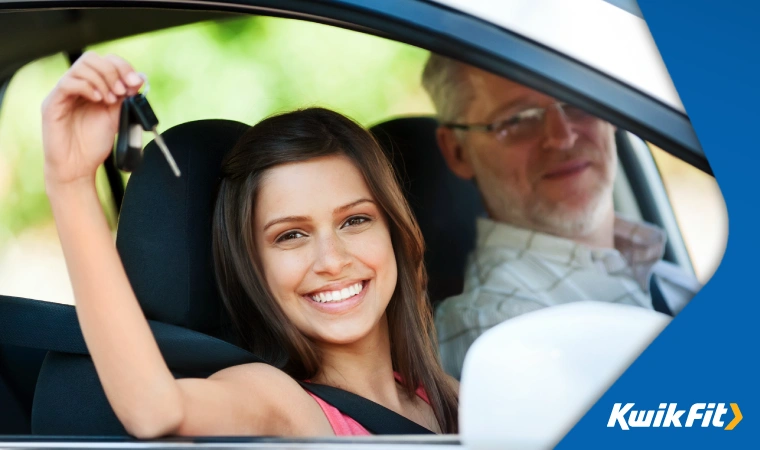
(333, 296)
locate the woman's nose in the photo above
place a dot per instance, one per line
(332, 256)
(558, 130)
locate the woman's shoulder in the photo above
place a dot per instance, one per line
(250, 370)
(263, 379)
(278, 396)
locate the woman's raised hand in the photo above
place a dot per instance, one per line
(80, 117)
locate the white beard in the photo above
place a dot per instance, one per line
(556, 218)
(560, 220)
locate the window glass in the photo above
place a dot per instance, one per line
(699, 209)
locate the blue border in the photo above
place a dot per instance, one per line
(709, 352)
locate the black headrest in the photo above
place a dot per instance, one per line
(445, 205)
(164, 231)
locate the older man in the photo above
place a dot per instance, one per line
(545, 171)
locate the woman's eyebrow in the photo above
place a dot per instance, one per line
(286, 219)
(337, 210)
(344, 208)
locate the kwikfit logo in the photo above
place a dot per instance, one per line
(668, 415)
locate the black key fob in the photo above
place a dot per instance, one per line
(128, 148)
(143, 112)
(138, 116)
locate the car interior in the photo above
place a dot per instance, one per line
(48, 384)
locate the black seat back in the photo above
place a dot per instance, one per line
(19, 367)
(163, 238)
(164, 230)
(445, 205)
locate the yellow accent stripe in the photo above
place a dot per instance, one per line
(737, 417)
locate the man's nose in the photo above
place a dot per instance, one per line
(558, 130)
(332, 256)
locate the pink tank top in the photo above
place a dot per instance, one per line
(344, 425)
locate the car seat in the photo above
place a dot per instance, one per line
(445, 205)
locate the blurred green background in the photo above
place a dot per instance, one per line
(246, 69)
(242, 69)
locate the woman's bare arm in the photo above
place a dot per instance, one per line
(139, 386)
(80, 118)
(241, 392)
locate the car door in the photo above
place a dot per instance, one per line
(480, 33)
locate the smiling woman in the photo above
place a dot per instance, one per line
(328, 215)
(307, 207)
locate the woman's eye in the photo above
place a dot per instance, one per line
(354, 221)
(289, 236)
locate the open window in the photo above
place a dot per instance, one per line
(246, 60)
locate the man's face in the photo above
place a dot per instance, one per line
(554, 174)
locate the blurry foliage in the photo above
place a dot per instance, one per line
(243, 69)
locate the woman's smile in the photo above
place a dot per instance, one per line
(338, 298)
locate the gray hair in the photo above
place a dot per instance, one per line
(445, 82)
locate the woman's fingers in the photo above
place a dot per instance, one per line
(111, 75)
(54, 105)
(89, 74)
(95, 79)
(80, 87)
(108, 74)
(128, 77)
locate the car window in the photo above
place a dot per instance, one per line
(699, 209)
(242, 69)
(246, 69)
(31, 259)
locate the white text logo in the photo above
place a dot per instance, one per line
(668, 415)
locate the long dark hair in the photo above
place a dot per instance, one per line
(262, 325)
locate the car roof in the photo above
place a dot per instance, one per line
(73, 29)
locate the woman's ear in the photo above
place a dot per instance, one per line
(454, 153)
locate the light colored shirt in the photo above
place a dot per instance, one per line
(514, 271)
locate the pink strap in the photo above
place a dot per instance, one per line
(420, 390)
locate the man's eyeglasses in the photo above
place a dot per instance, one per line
(526, 124)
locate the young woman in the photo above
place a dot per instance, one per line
(316, 253)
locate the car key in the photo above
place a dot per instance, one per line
(136, 116)
(128, 149)
(145, 116)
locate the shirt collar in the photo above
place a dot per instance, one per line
(638, 246)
